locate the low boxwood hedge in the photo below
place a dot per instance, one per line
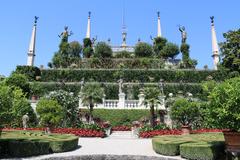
(203, 151)
(24, 144)
(208, 146)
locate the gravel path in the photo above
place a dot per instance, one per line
(99, 146)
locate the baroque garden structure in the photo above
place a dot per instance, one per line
(124, 73)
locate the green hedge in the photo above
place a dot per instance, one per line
(209, 146)
(121, 116)
(30, 72)
(63, 145)
(111, 90)
(134, 75)
(203, 151)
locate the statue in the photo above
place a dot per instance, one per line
(64, 35)
(35, 19)
(212, 19)
(25, 119)
(184, 33)
(120, 84)
(81, 84)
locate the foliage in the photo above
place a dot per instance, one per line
(158, 45)
(143, 50)
(87, 48)
(91, 94)
(184, 111)
(224, 111)
(13, 105)
(170, 50)
(152, 100)
(36, 89)
(103, 50)
(20, 81)
(207, 88)
(69, 103)
(120, 117)
(187, 62)
(50, 112)
(29, 71)
(230, 50)
(147, 128)
(124, 54)
(75, 48)
(133, 75)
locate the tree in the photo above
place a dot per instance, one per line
(143, 49)
(69, 103)
(50, 112)
(75, 49)
(184, 111)
(152, 100)
(87, 48)
(103, 50)
(231, 50)
(20, 81)
(158, 45)
(170, 50)
(92, 94)
(187, 62)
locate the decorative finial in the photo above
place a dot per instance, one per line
(158, 13)
(212, 19)
(35, 19)
(139, 40)
(89, 14)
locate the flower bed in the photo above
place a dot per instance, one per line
(121, 128)
(76, 131)
(206, 131)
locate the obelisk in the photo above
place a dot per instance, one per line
(88, 34)
(159, 33)
(215, 49)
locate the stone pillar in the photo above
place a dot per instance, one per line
(31, 50)
(88, 34)
(159, 33)
(215, 49)
(121, 101)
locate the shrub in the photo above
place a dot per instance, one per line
(224, 111)
(143, 50)
(103, 50)
(159, 43)
(169, 51)
(123, 54)
(50, 112)
(203, 151)
(184, 111)
(29, 71)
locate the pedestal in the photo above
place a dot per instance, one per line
(121, 101)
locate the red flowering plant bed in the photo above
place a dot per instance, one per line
(121, 128)
(206, 131)
(76, 131)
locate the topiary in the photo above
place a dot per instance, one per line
(143, 50)
(103, 50)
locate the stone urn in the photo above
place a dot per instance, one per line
(232, 140)
(186, 130)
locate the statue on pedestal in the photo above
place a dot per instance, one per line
(183, 33)
(120, 84)
(25, 119)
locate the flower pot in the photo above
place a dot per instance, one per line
(186, 130)
(34, 98)
(232, 140)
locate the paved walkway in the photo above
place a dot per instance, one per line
(114, 145)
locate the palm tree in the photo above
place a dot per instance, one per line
(91, 94)
(152, 100)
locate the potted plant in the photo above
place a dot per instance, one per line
(224, 111)
(184, 111)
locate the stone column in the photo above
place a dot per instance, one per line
(88, 34)
(215, 49)
(159, 34)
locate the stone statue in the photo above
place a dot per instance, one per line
(25, 119)
(82, 84)
(120, 84)
(65, 34)
(184, 33)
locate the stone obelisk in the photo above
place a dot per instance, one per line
(159, 33)
(31, 50)
(215, 49)
(88, 34)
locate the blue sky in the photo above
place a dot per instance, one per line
(16, 18)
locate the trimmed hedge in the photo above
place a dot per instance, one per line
(203, 151)
(133, 75)
(29, 71)
(209, 146)
(29, 143)
(120, 117)
(111, 90)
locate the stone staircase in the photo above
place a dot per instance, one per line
(122, 135)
